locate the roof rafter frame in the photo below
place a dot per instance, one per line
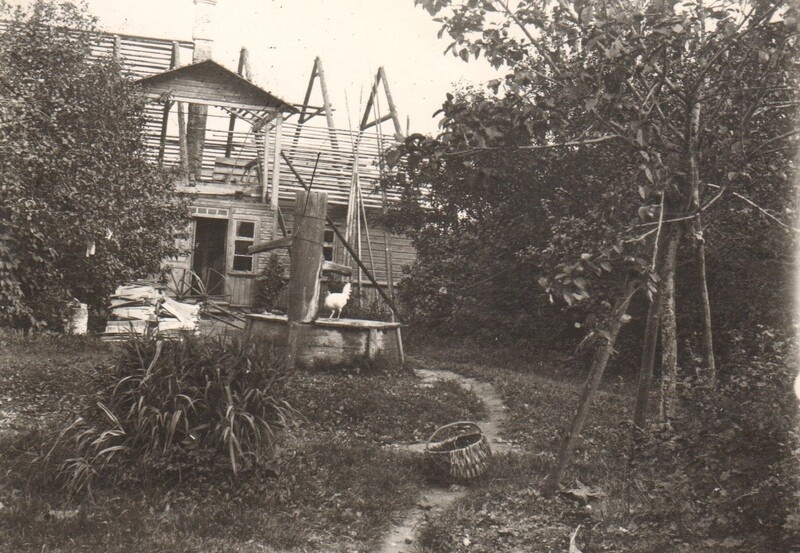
(380, 77)
(317, 73)
(244, 71)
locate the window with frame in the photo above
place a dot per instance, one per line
(244, 238)
(327, 246)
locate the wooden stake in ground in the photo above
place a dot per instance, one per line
(599, 362)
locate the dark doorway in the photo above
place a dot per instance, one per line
(208, 261)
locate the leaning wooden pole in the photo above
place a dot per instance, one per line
(599, 362)
(346, 244)
(645, 379)
(306, 260)
(244, 71)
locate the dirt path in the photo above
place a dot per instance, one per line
(402, 537)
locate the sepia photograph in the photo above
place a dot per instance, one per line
(399, 276)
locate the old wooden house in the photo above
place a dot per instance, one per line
(243, 182)
(241, 152)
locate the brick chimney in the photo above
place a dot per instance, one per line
(202, 32)
(196, 120)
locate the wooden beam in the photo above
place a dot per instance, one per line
(117, 47)
(338, 268)
(392, 109)
(302, 119)
(281, 220)
(208, 102)
(276, 162)
(377, 122)
(326, 103)
(370, 100)
(243, 70)
(284, 242)
(175, 61)
(184, 147)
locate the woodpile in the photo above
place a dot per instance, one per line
(142, 309)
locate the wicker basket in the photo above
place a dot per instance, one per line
(463, 455)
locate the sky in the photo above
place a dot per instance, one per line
(352, 37)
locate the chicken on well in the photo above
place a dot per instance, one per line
(336, 302)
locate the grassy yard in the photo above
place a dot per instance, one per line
(334, 487)
(719, 490)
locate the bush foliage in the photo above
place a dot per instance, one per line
(270, 283)
(74, 174)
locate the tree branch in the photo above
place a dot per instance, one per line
(773, 140)
(544, 53)
(475, 150)
(759, 208)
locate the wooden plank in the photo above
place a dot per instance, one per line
(276, 163)
(284, 242)
(338, 268)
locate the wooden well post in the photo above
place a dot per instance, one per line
(306, 261)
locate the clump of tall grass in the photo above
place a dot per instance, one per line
(173, 406)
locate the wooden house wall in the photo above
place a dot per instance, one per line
(139, 56)
(402, 251)
(239, 286)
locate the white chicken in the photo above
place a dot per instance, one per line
(336, 302)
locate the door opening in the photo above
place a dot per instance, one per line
(208, 261)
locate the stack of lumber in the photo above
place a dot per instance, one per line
(176, 318)
(142, 309)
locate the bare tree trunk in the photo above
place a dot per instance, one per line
(599, 362)
(648, 360)
(710, 371)
(669, 334)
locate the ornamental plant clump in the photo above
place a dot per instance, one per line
(270, 283)
(173, 406)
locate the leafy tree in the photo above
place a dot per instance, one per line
(699, 98)
(73, 172)
(487, 225)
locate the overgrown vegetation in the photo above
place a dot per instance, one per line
(74, 175)
(679, 115)
(723, 477)
(176, 406)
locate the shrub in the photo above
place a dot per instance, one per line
(90, 151)
(360, 306)
(270, 283)
(176, 405)
(729, 470)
